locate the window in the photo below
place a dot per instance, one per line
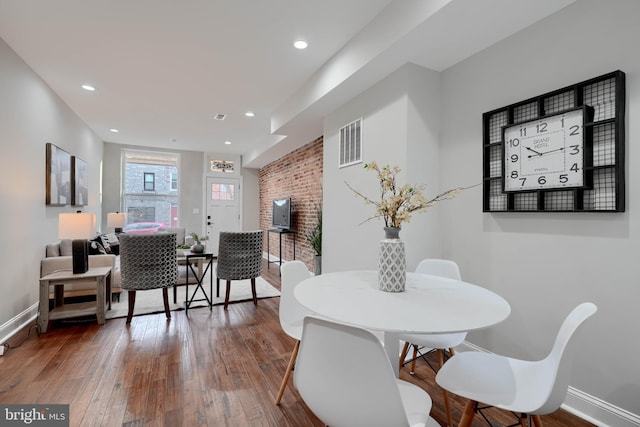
(149, 181)
(150, 186)
(351, 143)
(174, 181)
(224, 166)
(222, 192)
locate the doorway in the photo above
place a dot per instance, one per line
(223, 209)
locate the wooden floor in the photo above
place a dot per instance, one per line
(208, 369)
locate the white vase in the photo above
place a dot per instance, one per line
(392, 264)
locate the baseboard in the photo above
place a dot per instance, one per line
(14, 325)
(585, 406)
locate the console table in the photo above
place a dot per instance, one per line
(280, 232)
(102, 278)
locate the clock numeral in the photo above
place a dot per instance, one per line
(575, 130)
(542, 180)
(514, 142)
(523, 131)
(541, 127)
(523, 179)
(574, 167)
(514, 174)
(575, 149)
(564, 178)
(514, 158)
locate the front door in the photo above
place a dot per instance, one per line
(223, 209)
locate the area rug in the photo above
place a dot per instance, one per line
(148, 302)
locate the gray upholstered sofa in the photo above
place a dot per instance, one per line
(58, 257)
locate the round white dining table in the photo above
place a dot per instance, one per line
(430, 304)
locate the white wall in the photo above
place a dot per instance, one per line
(544, 264)
(250, 199)
(31, 115)
(400, 126)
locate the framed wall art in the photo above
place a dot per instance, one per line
(58, 176)
(79, 182)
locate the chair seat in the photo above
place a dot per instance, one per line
(414, 401)
(294, 329)
(435, 340)
(506, 383)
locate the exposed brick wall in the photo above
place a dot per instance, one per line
(297, 175)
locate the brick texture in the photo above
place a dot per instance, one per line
(297, 175)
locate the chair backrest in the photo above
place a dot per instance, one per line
(239, 255)
(291, 312)
(439, 267)
(343, 390)
(557, 365)
(148, 261)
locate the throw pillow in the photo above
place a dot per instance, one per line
(114, 243)
(102, 238)
(95, 247)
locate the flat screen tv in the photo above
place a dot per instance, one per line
(281, 213)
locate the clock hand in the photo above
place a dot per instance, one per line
(552, 151)
(531, 149)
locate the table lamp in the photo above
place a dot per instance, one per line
(78, 227)
(117, 220)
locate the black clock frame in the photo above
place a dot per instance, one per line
(604, 131)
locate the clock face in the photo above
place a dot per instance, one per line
(546, 153)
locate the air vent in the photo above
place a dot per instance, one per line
(220, 116)
(351, 143)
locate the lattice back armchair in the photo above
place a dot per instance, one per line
(148, 261)
(239, 258)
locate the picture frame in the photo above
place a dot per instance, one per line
(58, 176)
(79, 182)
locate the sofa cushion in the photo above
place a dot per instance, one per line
(66, 247)
(53, 249)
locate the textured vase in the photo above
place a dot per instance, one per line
(198, 248)
(392, 265)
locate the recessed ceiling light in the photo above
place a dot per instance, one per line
(89, 88)
(227, 142)
(250, 114)
(300, 44)
(114, 130)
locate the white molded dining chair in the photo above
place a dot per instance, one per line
(291, 312)
(531, 388)
(437, 342)
(354, 391)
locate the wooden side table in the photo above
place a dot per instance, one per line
(102, 277)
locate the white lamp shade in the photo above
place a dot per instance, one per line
(116, 219)
(76, 225)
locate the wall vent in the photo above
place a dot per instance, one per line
(220, 116)
(351, 144)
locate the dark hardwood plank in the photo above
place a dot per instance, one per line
(206, 368)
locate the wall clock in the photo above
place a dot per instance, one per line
(560, 151)
(545, 153)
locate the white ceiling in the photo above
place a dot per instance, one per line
(164, 68)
